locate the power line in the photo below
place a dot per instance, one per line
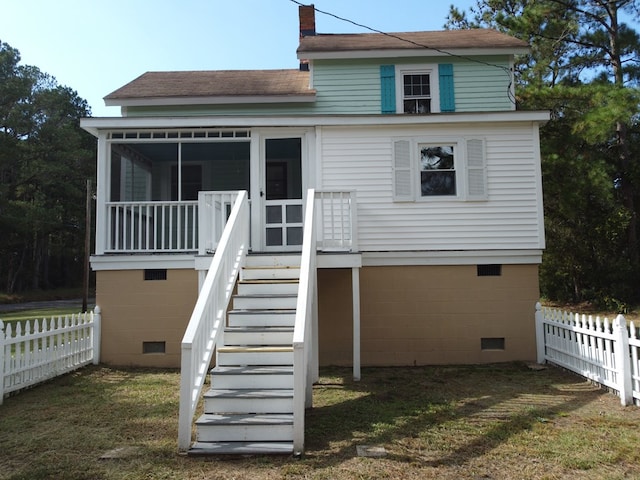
(417, 44)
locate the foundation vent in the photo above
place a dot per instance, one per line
(489, 270)
(492, 343)
(154, 347)
(155, 274)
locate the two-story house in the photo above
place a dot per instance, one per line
(427, 193)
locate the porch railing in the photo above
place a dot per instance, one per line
(337, 225)
(206, 325)
(196, 226)
(136, 227)
(305, 337)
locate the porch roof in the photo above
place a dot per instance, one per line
(429, 43)
(215, 86)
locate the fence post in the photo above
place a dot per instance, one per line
(97, 333)
(1, 361)
(540, 340)
(623, 362)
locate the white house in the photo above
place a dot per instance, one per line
(427, 196)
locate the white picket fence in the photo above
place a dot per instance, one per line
(36, 351)
(604, 352)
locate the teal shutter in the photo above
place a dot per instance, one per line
(388, 88)
(447, 97)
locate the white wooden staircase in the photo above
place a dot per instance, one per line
(249, 408)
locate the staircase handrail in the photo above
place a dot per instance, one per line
(206, 324)
(305, 361)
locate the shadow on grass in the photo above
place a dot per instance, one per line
(436, 416)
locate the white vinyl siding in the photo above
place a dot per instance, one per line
(511, 218)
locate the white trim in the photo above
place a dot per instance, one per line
(538, 166)
(355, 289)
(454, 257)
(418, 52)
(338, 260)
(95, 124)
(209, 100)
(140, 262)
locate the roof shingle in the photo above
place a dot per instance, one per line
(440, 40)
(217, 83)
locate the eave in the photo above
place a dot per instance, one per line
(404, 53)
(217, 100)
(95, 124)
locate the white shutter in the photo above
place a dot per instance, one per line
(476, 170)
(402, 171)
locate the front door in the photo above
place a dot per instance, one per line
(282, 191)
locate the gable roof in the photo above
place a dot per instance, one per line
(410, 43)
(224, 86)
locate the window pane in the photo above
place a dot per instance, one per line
(294, 213)
(294, 236)
(416, 85)
(436, 158)
(438, 183)
(274, 214)
(274, 237)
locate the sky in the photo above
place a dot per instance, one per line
(97, 46)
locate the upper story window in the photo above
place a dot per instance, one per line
(416, 93)
(417, 89)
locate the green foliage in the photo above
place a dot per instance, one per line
(45, 160)
(583, 68)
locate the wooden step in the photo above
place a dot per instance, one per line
(241, 448)
(241, 427)
(266, 302)
(262, 317)
(248, 401)
(269, 273)
(255, 336)
(252, 376)
(273, 260)
(263, 287)
(241, 355)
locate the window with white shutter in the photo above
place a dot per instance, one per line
(439, 170)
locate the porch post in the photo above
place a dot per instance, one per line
(103, 180)
(355, 287)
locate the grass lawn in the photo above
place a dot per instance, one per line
(450, 422)
(38, 313)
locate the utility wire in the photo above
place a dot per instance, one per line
(417, 44)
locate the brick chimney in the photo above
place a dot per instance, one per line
(307, 15)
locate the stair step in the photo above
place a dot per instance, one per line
(243, 355)
(267, 301)
(260, 317)
(255, 376)
(241, 427)
(241, 448)
(270, 273)
(234, 336)
(264, 287)
(271, 261)
(248, 401)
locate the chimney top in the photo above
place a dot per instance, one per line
(307, 14)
